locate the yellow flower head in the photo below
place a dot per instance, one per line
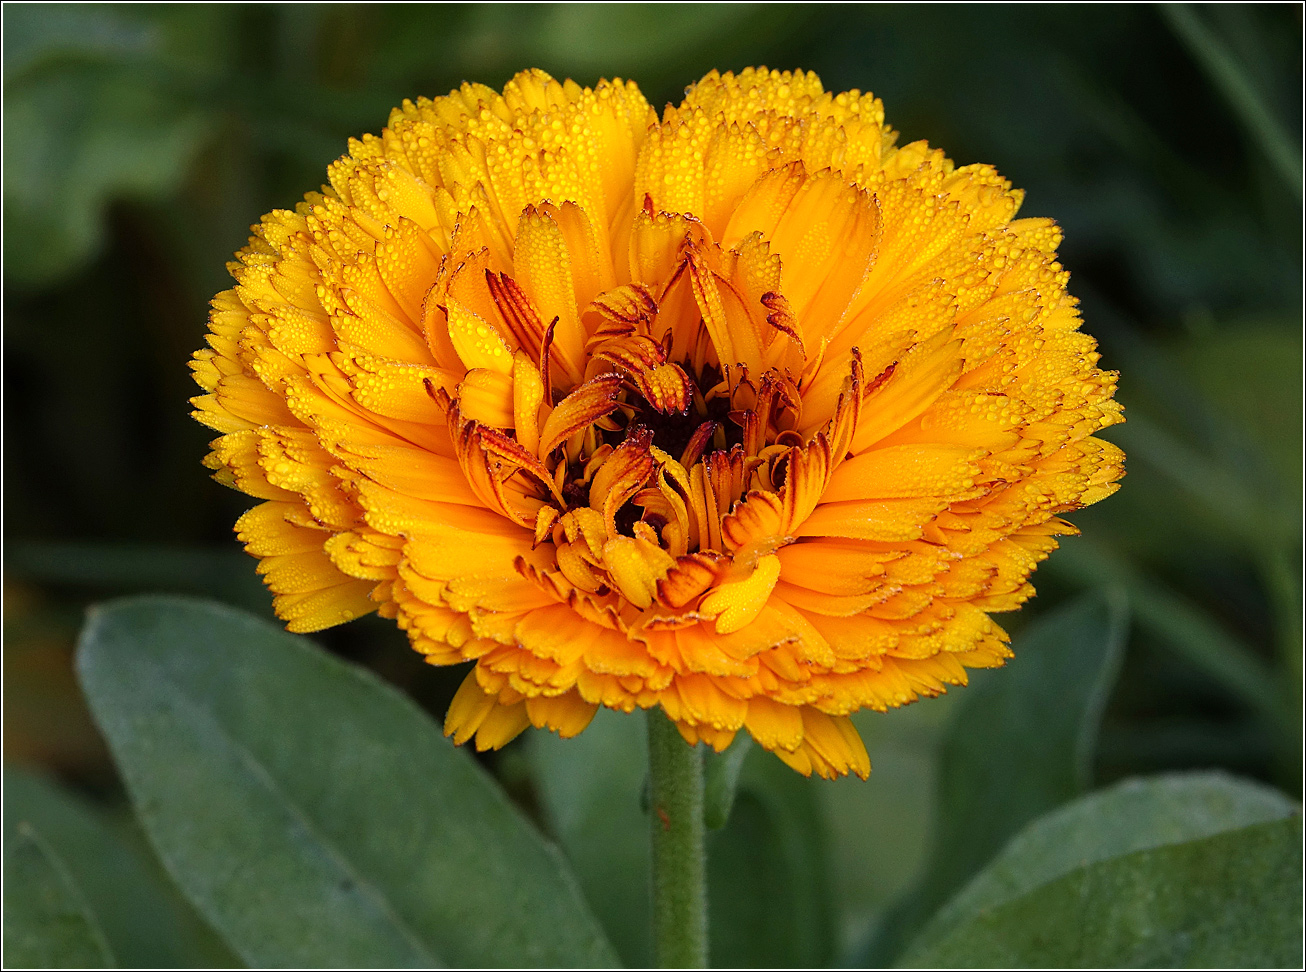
(744, 412)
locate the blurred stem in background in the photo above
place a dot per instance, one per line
(1234, 84)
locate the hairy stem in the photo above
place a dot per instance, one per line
(679, 857)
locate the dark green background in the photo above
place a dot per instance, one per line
(141, 142)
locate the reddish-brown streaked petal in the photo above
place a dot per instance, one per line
(585, 405)
(702, 504)
(489, 459)
(778, 405)
(807, 475)
(622, 475)
(733, 332)
(758, 517)
(508, 457)
(728, 474)
(666, 387)
(791, 356)
(517, 312)
(698, 442)
(634, 352)
(691, 576)
(627, 309)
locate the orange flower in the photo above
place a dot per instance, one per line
(744, 412)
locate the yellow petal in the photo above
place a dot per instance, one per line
(735, 604)
(477, 342)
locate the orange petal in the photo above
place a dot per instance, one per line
(585, 405)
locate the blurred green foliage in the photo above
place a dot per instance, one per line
(143, 140)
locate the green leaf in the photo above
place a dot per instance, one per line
(1020, 744)
(143, 919)
(34, 37)
(592, 792)
(47, 923)
(1188, 629)
(1195, 869)
(313, 814)
(1138, 814)
(768, 892)
(93, 116)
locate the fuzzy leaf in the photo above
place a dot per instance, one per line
(313, 814)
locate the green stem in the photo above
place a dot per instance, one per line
(679, 857)
(1235, 84)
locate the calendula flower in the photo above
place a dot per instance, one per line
(744, 411)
